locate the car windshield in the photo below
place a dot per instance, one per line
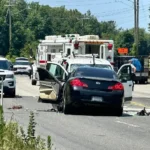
(4, 65)
(22, 63)
(74, 66)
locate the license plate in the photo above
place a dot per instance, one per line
(97, 99)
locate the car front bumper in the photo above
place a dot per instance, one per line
(9, 85)
(22, 72)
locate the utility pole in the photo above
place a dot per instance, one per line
(10, 29)
(136, 25)
(10, 24)
(82, 19)
(137, 32)
(135, 21)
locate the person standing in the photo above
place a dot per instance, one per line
(133, 71)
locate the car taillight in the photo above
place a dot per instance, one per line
(77, 82)
(115, 87)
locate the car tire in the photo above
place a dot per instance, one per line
(66, 108)
(33, 82)
(120, 112)
(12, 93)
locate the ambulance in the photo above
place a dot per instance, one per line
(54, 48)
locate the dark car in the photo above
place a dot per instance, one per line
(85, 85)
(93, 86)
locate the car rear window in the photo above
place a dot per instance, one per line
(74, 66)
(96, 72)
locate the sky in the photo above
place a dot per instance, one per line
(121, 11)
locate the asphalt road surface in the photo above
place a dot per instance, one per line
(83, 131)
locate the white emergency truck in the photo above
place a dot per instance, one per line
(92, 44)
(53, 48)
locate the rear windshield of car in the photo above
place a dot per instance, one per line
(22, 63)
(74, 66)
(95, 72)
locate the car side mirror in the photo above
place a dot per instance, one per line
(11, 67)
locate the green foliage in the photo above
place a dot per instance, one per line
(31, 25)
(11, 138)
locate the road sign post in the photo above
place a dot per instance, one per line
(2, 91)
(123, 50)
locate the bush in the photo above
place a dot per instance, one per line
(13, 138)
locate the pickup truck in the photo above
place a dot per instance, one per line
(140, 76)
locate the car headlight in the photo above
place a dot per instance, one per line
(9, 76)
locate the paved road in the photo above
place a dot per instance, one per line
(84, 132)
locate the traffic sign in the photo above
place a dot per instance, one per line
(123, 50)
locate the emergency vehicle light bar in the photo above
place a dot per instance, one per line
(42, 61)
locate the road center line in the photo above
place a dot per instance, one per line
(132, 125)
(139, 104)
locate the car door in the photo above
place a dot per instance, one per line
(125, 76)
(51, 81)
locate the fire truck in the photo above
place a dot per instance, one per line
(56, 47)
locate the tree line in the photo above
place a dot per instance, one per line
(32, 22)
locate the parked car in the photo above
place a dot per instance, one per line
(93, 85)
(22, 67)
(9, 81)
(22, 58)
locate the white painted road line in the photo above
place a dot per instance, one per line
(135, 109)
(128, 124)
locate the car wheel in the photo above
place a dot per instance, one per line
(12, 93)
(120, 112)
(33, 82)
(66, 108)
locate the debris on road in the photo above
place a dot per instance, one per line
(49, 110)
(143, 113)
(16, 107)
